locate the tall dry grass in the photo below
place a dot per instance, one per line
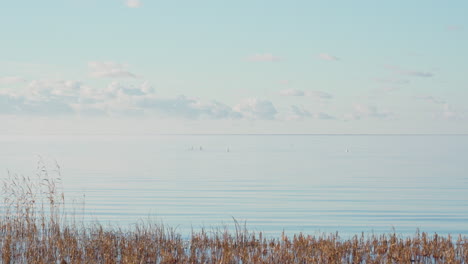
(34, 228)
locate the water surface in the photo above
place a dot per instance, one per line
(295, 183)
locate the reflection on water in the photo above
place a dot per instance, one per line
(302, 183)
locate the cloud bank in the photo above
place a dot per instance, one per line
(64, 97)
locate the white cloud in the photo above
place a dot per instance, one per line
(298, 113)
(10, 104)
(264, 57)
(116, 88)
(448, 112)
(323, 116)
(133, 3)
(314, 94)
(292, 92)
(430, 98)
(363, 111)
(216, 110)
(328, 57)
(185, 107)
(46, 90)
(454, 28)
(386, 89)
(413, 73)
(60, 97)
(254, 108)
(40, 97)
(57, 97)
(11, 80)
(319, 95)
(351, 116)
(390, 84)
(52, 97)
(146, 87)
(100, 69)
(392, 81)
(418, 73)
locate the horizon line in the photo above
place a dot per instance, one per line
(240, 134)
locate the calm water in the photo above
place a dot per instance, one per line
(300, 183)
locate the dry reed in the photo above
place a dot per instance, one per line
(34, 228)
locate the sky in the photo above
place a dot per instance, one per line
(244, 66)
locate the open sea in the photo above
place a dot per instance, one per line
(273, 183)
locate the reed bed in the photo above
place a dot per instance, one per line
(34, 228)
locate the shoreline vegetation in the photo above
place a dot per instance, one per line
(35, 228)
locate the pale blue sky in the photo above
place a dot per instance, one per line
(235, 67)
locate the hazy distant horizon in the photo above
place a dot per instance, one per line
(293, 183)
